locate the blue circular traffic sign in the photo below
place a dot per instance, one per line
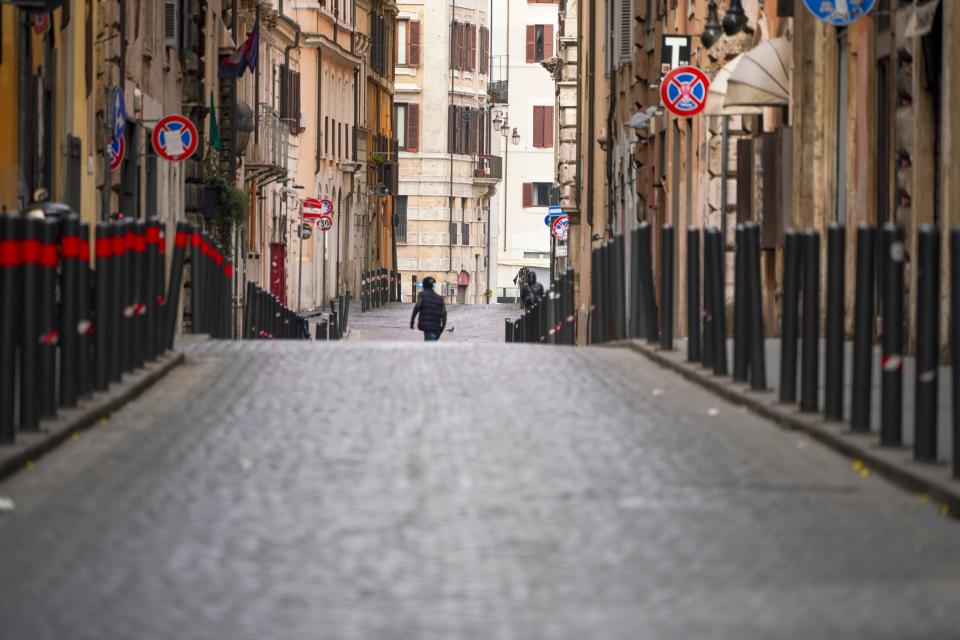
(839, 12)
(118, 112)
(684, 91)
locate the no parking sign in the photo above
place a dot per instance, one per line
(684, 91)
(175, 138)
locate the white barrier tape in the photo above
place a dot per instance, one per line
(892, 363)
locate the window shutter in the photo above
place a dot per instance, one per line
(472, 63)
(413, 127)
(531, 43)
(170, 23)
(625, 24)
(484, 50)
(548, 127)
(547, 41)
(413, 38)
(527, 194)
(538, 126)
(461, 46)
(451, 129)
(453, 45)
(474, 132)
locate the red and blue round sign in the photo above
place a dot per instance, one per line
(684, 91)
(118, 148)
(175, 138)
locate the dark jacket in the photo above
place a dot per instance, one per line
(432, 311)
(531, 293)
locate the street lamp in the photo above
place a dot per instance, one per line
(735, 18)
(498, 121)
(712, 30)
(516, 137)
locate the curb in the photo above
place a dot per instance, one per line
(32, 445)
(896, 465)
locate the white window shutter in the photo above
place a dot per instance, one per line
(625, 32)
(171, 22)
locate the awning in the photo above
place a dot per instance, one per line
(718, 93)
(641, 119)
(762, 77)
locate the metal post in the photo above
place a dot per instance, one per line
(619, 292)
(708, 347)
(928, 344)
(128, 293)
(69, 292)
(182, 238)
(152, 292)
(138, 286)
(891, 391)
(740, 354)
(85, 323)
(196, 281)
(29, 309)
(693, 294)
(863, 328)
(114, 292)
(10, 242)
(810, 355)
(719, 305)
(955, 343)
(754, 310)
(666, 287)
(647, 295)
(49, 329)
(789, 319)
(102, 317)
(836, 288)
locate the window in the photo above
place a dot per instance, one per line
(453, 233)
(624, 34)
(406, 120)
(289, 98)
(463, 130)
(463, 46)
(408, 43)
(400, 218)
(465, 233)
(378, 44)
(326, 135)
(543, 127)
(539, 42)
(484, 50)
(536, 194)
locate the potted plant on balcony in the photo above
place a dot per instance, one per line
(378, 157)
(230, 209)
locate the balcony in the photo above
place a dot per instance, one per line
(488, 169)
(270, 157)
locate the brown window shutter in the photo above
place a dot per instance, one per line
(413, 38)
(538, 126)
(453, 45)
(528, 194)
(474, 133)
(531, 43)
(461, 46)
(547, 41)
(472, 51)
(548, 127)
(451, 129)
(413, 127)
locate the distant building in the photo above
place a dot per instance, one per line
(442, 119)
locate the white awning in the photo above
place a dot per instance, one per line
(718, 93)
(762, 76)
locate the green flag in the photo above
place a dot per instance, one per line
(214, 130)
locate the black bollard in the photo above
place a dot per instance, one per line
(249, 324)
(160, 290)
(836, 288)
(129, 263)
(114, 291)
(863, 329)
(102, 325)
(151, 293)
(138, 282)
(85, 324)
(29, 309)
(70, 308)
(619, 301)
(753, 310)
(693, 294)
(647, 291)
(707, 313)
(49, 327)
(891, 386)
(810, 354)
(955, 343)
(508, 330)
(10, 243)
(928, 345)
(790, 315)
(740, 265)
(182, 238)
(666, 287)
(718, 308)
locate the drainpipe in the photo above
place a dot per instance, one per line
(453, 31)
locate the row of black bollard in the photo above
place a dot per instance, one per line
(378, 287)
(551, 319)
(66, 329)
(211, 287)
(267, 318)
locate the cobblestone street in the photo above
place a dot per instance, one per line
(469, 323)
(374, 490)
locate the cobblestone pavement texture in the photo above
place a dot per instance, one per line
(385, 490)
(470, 323)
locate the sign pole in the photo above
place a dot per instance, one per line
(300, 267)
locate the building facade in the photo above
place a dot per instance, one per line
(524, 40)
(850, 125)
(447, 174)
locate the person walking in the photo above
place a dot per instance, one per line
(432, 311)
(532, 291)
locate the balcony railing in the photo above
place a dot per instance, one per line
(498, 91)
(489, 167)
(270, 158)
